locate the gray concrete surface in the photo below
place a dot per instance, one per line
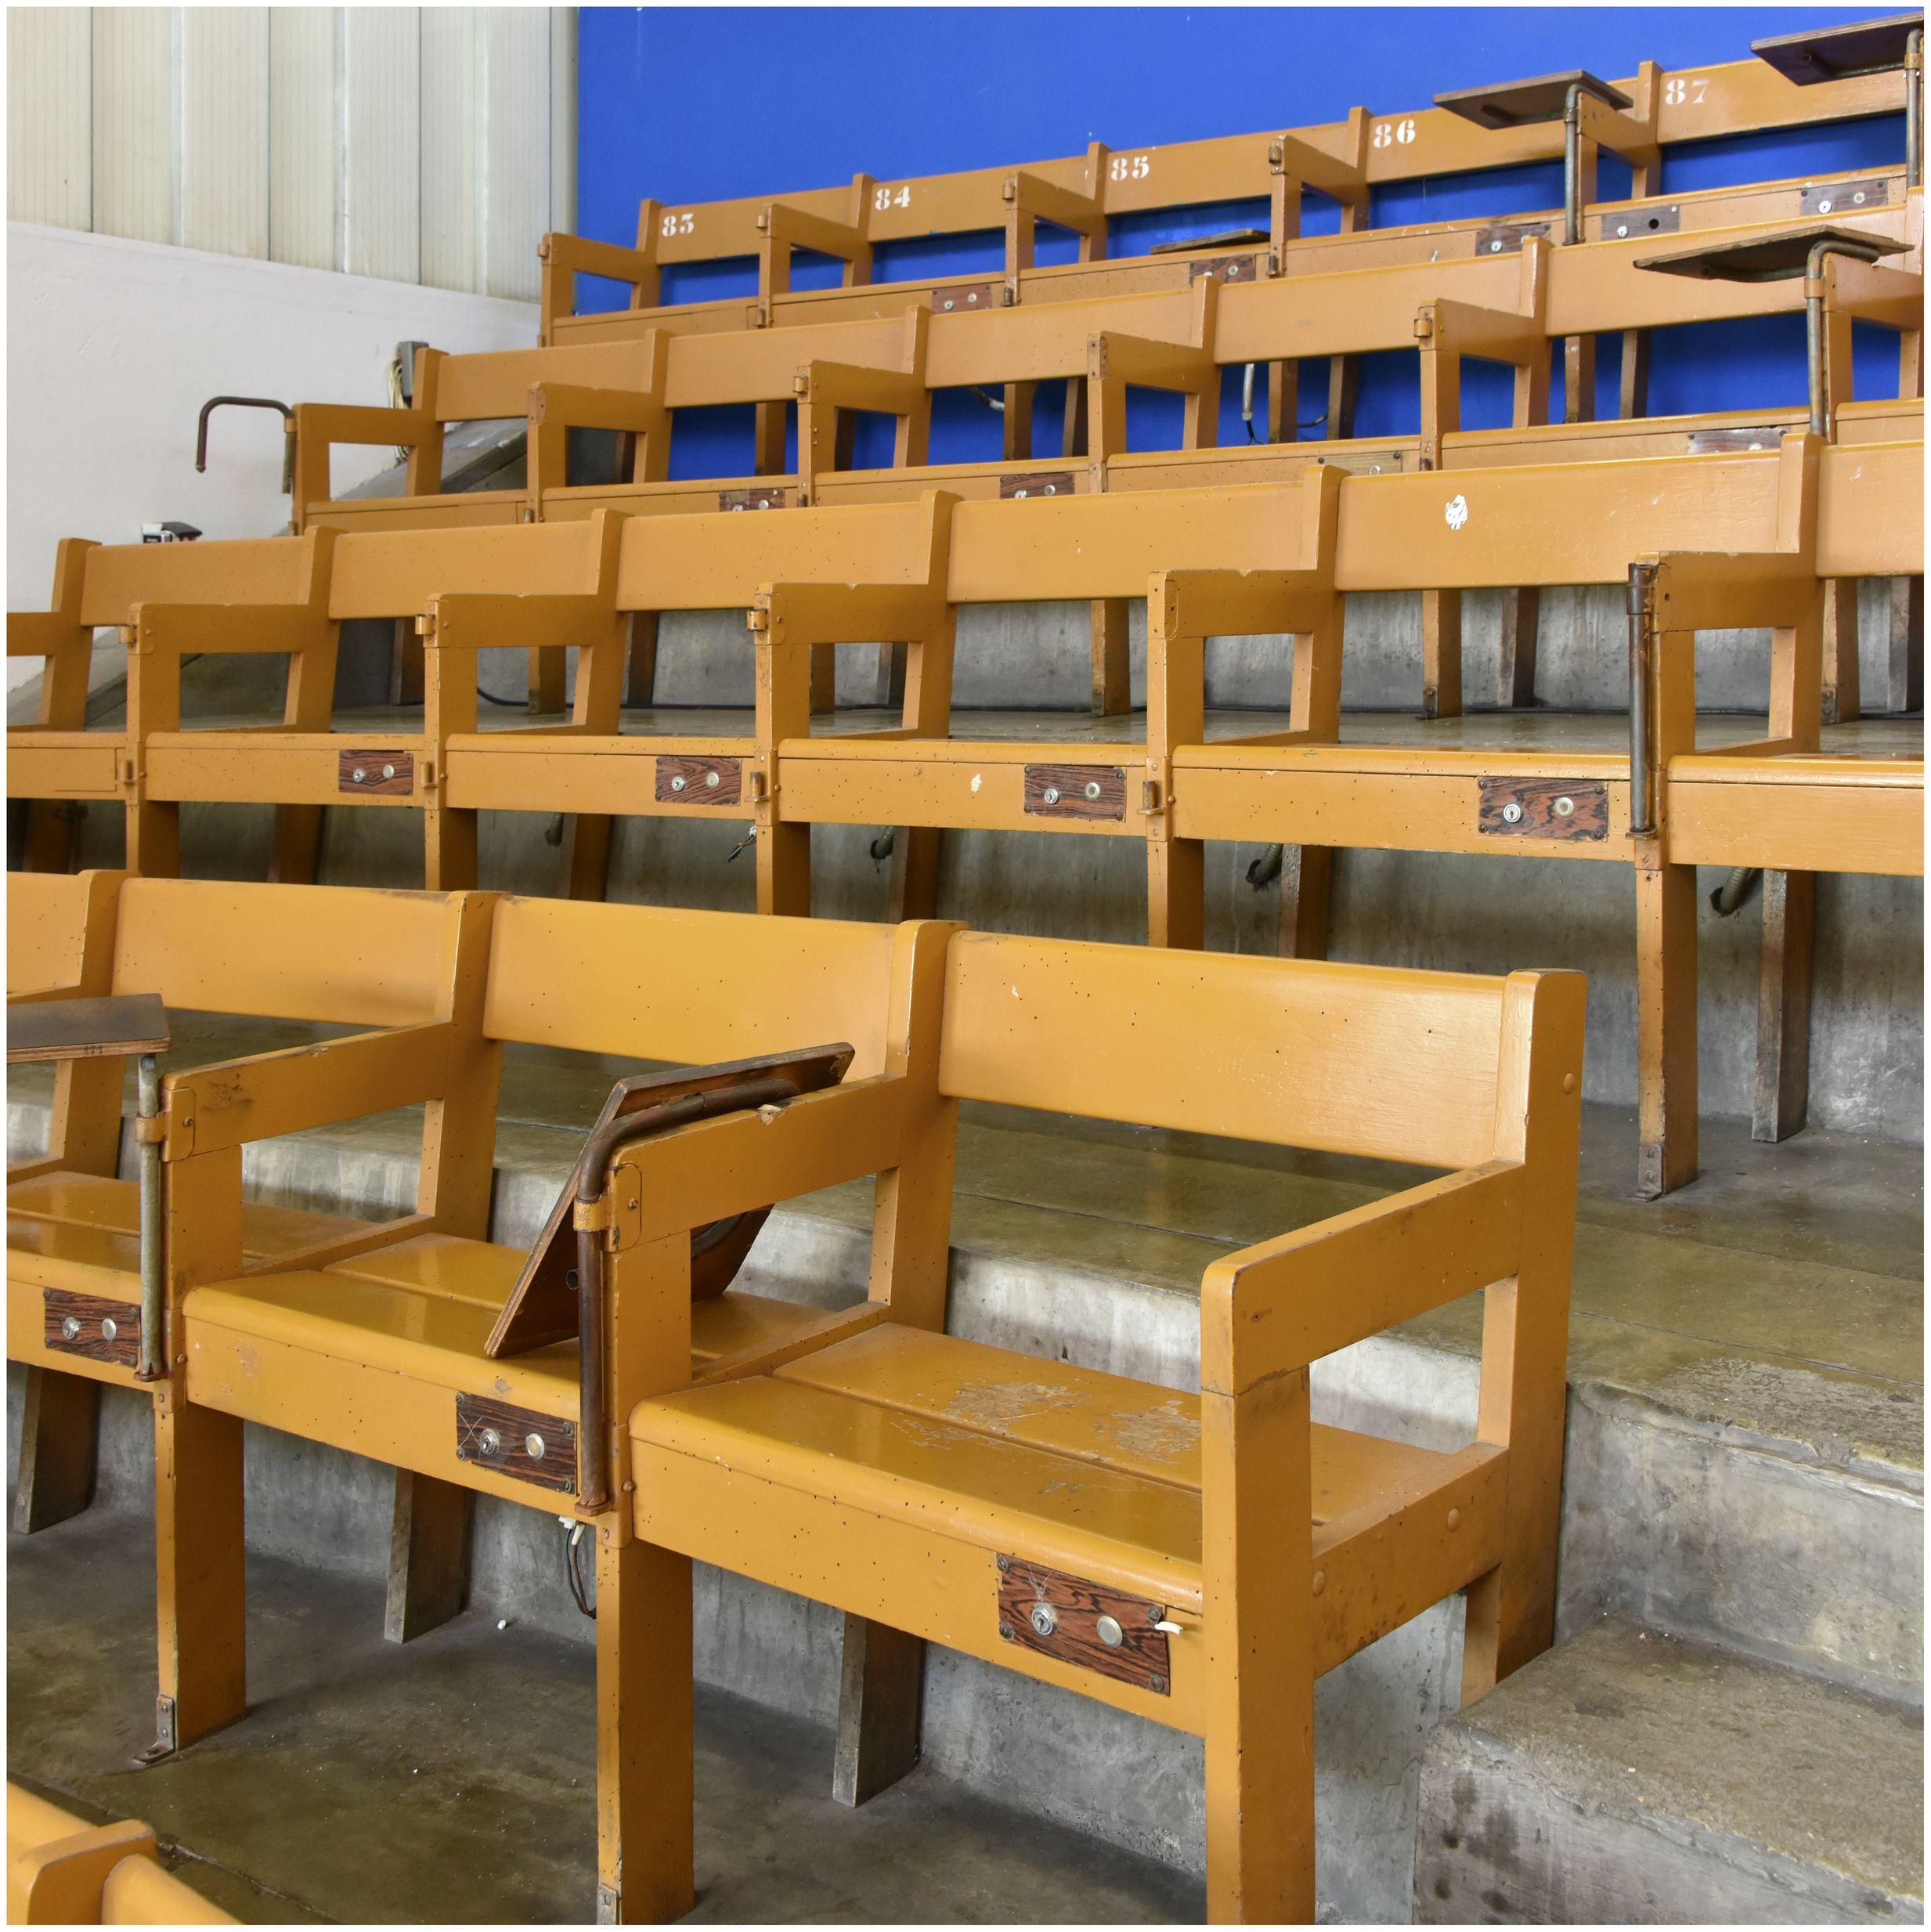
(1628, 1777)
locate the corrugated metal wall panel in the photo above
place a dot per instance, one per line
(450, 110)
(381, 84)
(224, 130)
(50, 116)
(435, 144)
(137, 69)
(302, 128)
(515, 98)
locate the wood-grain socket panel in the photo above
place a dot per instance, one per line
(1041, 483)
(1845, 197)
(1225, 267)
(969, 298)
(389, 773)
(1544, 808)
(1506, 238)
(1068, 1617)
(524, 1444)
(699, 781)
(1633, 224)
(91, 1325)
(1076, 791)
(771, 498)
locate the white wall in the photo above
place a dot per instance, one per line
(113, 346)
(433, 144)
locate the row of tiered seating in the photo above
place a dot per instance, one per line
(1117, 1540)
(1103, 1536)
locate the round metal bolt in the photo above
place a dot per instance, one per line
(1511, 814)
(1824, 208)
(1110, 1633)
(1565, 808)
(736, 505)
(1494, 248)
(490, 1443)
(1857, 200)
(713, 780)
(677, 782)
(1018, 495)
(1052, 489)
(1622, 228)
(1320, 1581)
(1455, 1519)
(388, 771)
(1044, 1619)
(357, 775)
(533, 1446)
(70, 1328)
(108, 1328)
(948, 301)
(1093, 788)
(1052, 795)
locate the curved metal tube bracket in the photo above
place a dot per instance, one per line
(250, 402)
(1816, 358)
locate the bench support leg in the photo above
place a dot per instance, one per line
(1906, 692)
(1842, 695)
(1440, 654)
(1112, 680)
(1783, 1006)
(549, 679)
(448, 858)
(824, 680)
(297, 847)
(1666, 1028)
(1176, 892)
(200, 1591)
(1306, 888)
(1521, 611)
(59, 1428)
(641, 685)
(644, 1767)
(587, 855)
(429, 1533)
(1259, 1632)
(53, 829)
(915, 892)
(879, 1698)
(406, 664)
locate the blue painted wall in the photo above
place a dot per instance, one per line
(696, 103)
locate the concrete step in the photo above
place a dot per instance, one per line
(1631, 1777)
(1745, 1458)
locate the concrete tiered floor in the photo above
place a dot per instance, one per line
(1745, 1470)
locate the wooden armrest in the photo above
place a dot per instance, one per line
(477, 620)
(576, 406)
(356, 422)
(79, 1028)
(1063, 207)
(231, 1103)
(786, 224)
(1469, 329)
(1280, 1305)
(239, 628)
(1148, 365)
(795, 614)
(851, 386)
(1315, 168)
(580, 255)
(40, 633)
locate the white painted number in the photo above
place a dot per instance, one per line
(892, 198)
(1387, 132)
(680, 224)
(1130, 167)
(1686, 90)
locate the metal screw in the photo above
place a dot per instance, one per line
(948, 301)
(1494, 248)
(1093, 788)
(1052, 795)
(108, 1328)
(388, 771)
(677, 782)
(1044, 1619)
(1511, 814)
(1857, 200)
(1110, 1633)
(70, 1328)
(1564, 807)
(1052, 489)
(1622, 228)
(490, 1443)
(357, 775)
(533, 1444)
(711, 779)
(1824, 208)
(1017, 495)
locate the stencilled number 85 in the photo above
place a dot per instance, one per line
(1129, 167)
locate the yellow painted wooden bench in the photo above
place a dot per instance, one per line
(62, 1871)
(421, 1350)
(1198, 1561)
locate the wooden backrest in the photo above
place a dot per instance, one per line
(244, 570)
(495, 383)
(661, 983)
(48, 915)
(1378, 1061)
(349, 954)
(391, 574)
